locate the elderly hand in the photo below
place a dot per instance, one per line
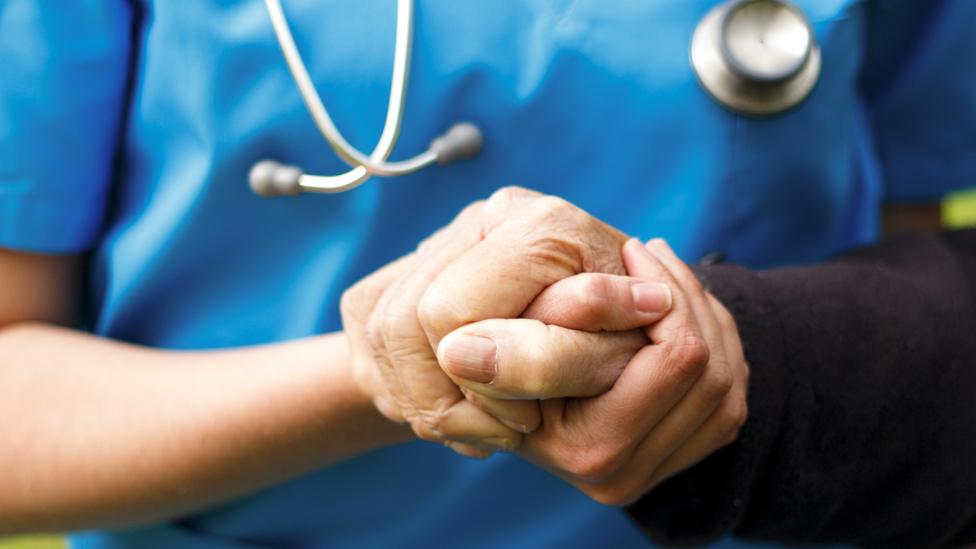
(493, 261)
(678, 400)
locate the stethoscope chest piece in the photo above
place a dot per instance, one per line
(756, 57)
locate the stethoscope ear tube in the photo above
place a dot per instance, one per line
(271, 178)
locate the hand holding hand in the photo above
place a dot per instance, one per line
(675, 402)
(491, 262)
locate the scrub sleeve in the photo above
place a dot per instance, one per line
(63, 84)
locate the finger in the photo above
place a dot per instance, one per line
(431, 402)
(688, 429)
(355, 306)
(691, 428)
(522, 415)
(393, 388)
(651, 384)
(689, 285)
(548, 241)
(722, 427)
(623, 474)
(468, 450)
(720, 430)
(639, 265)
(466, 423)
(718, 373)
(601, 302)
(659, 375)
(719, 376)
(526, 359)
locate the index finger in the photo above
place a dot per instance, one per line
(660, 374)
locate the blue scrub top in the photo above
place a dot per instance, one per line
(128, 129)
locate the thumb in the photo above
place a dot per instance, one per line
(595, 302)
(526, 359)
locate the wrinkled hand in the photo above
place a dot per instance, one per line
(492, 262)
(677, 400)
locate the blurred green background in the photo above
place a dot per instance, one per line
(958, 211)
(33, 542)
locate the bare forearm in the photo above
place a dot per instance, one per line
(98, 433)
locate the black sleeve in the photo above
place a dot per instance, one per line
(862, 405)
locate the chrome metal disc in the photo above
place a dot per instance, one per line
(756, 57)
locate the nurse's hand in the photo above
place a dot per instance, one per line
(491, 262)
(678, 399)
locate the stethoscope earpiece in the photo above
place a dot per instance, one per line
(461, 141)
(756, 57)
(270, 178)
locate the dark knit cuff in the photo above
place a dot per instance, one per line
(708, 500)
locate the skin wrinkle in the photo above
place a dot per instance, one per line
(488, 273)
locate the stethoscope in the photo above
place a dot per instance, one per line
(755, 57)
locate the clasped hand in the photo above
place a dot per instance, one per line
(529, 326)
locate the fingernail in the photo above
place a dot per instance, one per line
(520, 427)
(470, 357)
(656, 244)
(651, 297)
(633, 242)
(663, 246)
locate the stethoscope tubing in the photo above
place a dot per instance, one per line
(374, 164)
(735, 87)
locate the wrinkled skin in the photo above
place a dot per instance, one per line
(610, 398)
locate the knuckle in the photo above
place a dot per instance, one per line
(734, 419)
(398, 331)
(349, 302)
(596, 461)
(554, 205)
(346, 307)
(429, 244)
(718, 381)
(436, 421)
(433, 421)
(374, 331)
(473, 209)
(425, 432)
(472, 216)
(386, 323)
(557, 212)
(693, 350)
(509, 195)
(689, 356)
(592, 295)
(534, 378)
(435, 314)
(554, 250)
